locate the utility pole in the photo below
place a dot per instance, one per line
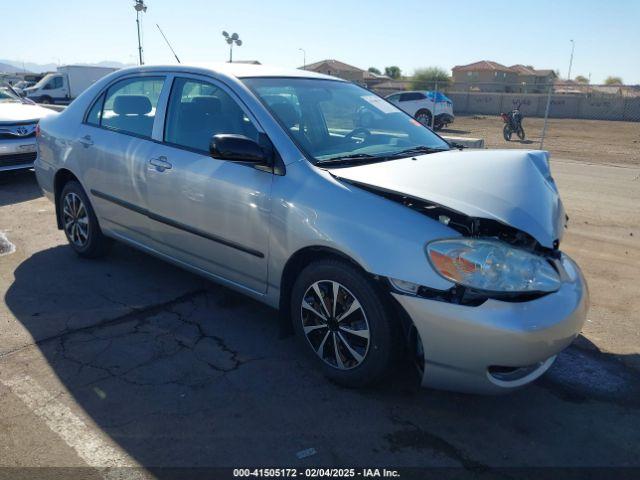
(573, 46)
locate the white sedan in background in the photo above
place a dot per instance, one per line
(423, 105)
(18, 120)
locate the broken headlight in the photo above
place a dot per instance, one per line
(492, 266)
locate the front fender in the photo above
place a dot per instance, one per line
(311, 208)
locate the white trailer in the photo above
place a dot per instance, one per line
(66, 84)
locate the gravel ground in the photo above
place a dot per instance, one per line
(595, 141)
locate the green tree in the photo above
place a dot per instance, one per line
(374, 70)
(581, 79)
(613, 81)
(430, 77)
(393, 72)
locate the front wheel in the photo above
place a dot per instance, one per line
(80, 223)
(506, 133)
(520, 133)
(339, 317)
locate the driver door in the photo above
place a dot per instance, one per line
(210, 214)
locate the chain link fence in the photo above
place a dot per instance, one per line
(597, 123)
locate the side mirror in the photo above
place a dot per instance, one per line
(228, 146)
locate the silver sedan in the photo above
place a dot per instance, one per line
(317, 197)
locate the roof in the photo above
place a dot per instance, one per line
(529, 70)
(335, 64)
(238, 70)
(482, 65)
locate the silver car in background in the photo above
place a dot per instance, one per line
(313, 195)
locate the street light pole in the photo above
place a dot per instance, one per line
(304, 58)
(139, 7)
(573, 46)
(231, 39)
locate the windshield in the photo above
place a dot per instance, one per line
(44, 80)
(338, 121)
(8, 95)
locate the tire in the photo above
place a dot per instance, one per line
(506, 133)
(80, 224)
(45, 100)
(520, 133)
(424, 117)
(360, 359)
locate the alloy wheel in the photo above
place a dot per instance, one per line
(424, 119)
(335, 324)
(75, 219)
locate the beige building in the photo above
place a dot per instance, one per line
(488, 76)
(345, 71)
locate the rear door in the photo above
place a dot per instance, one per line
(211, 214)
(114, 144)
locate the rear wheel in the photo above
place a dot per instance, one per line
(506, 133)
(344, 325)
(520, 133)
(80, 223)
(424, 117)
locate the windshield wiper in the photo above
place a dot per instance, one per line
(418, 149)
(354, 157)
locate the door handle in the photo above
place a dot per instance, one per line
(160, 163)
(86, 141)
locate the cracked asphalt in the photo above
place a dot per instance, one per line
(128, 361)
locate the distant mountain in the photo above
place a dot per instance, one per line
(13, 66)
(8, 68)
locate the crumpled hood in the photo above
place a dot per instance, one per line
(514, 187)
(22, 112)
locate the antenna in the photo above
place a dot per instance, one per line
(168, 44)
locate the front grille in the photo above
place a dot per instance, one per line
(17, 159)
(9, 136)
(10, 131)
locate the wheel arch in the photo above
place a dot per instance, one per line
(305, 256)
(62, 177)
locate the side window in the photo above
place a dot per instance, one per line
(57, 82)
(420, 96)
(407, 97)
(198, 110)
(393, 98)
(95, 114)
(130, 105)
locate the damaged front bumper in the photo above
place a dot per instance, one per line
(498, 345)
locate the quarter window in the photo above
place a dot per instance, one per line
(198, 110)
(130, 105)
(95, 114)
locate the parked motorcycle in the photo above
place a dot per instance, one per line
(512, 124)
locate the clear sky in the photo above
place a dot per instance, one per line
(410, 34)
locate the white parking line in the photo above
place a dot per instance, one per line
(88, 444)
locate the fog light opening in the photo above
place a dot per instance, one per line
(508, 376)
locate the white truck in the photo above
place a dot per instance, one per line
(66, 84)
